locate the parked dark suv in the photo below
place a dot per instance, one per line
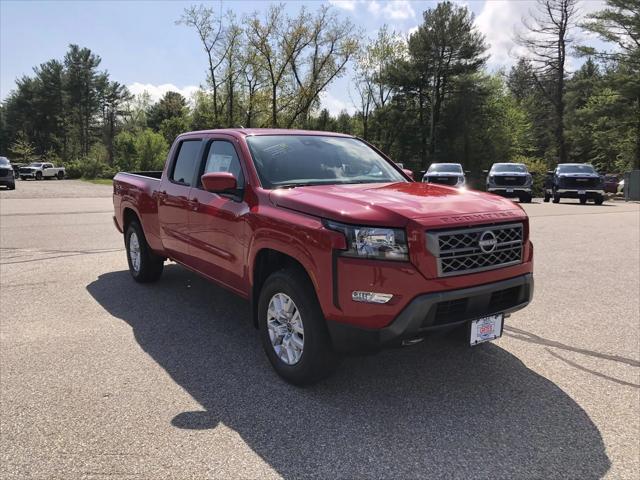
(574, 180)
(510, 180)
(6, 174)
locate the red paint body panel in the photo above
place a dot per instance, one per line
(220, 237)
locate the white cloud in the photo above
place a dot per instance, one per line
(334, 104)
(500, 19)
(156, 92)
(393, 9)
(399, 10)
(349, 5)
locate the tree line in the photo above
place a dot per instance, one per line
(420, 98)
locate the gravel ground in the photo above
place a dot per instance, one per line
(102, 377)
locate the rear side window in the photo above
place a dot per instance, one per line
(184, 168)
(222, 157)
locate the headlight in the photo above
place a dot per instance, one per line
(373, 242)
(460, 182)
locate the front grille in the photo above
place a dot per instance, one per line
(444, 180)
(469, 250)
(4, 172)
(450, 311)
(468, 308)
(577, 182)
(25, 170)
(510, 181)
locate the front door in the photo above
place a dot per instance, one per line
(173, 199)
(218, 221)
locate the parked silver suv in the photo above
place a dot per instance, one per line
(6, 174)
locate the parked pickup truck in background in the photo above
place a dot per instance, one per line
(334, 246)
(445, 174)
(574, 180)
(40, 170)
(510, 180)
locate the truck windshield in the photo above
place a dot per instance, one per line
(4, 161)
(286, 161)
(445, 168)
(509, 167)
(575, 169)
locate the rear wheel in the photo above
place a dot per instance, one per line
(546, 198)
(293, 330)
(60, 175)
(556, 198)
(526, 198)
(144, 265)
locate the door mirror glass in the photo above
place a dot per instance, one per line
(219, 182)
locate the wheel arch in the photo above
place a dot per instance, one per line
(265, 262)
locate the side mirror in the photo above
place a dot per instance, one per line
(409, 173)
(485, 172)
(219, 182)
(549, 172)
(467, 172)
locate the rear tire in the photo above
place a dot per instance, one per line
(23, 178)
(546, 198)
(525, 198)
(60, 175)
(316, 359)
(144, 265)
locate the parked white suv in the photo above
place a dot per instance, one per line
(40, 170)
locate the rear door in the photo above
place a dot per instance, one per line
(218, 221)
(173, 198)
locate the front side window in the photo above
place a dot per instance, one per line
(36, 165)
(186, 162)
(222, 157)
(299, 160)
(575, 169)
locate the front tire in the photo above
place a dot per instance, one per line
(293, 329)
(144, 265)
(11, 186)
(556, 198)
(526, 198)
(23, 178)
(38, 175)
(599, 200)
(583, 200)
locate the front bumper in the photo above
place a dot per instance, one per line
(573, 192)
(434, 311)
(28, 174)
(7, 181)
(514, 191)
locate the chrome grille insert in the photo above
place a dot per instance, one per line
(470, 250)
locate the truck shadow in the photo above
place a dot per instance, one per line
(439, 409)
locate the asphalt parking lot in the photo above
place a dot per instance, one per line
(102, 377)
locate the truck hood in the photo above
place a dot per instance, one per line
(394, 204)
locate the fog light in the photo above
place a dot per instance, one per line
(371, 297)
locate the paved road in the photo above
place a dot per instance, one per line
(101, 377)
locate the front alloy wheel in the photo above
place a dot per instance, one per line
(286, 330)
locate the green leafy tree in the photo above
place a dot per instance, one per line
(22, 149)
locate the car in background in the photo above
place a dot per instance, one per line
(611, 183)
(40, 170)
(6, 174)
(445, 174)
(574, 180)
(511, 180)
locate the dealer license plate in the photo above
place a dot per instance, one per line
(581, 192)
(486, 329)
(509, 190)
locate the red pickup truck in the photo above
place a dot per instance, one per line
(335, 246)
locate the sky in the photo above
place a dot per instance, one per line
(142, 47)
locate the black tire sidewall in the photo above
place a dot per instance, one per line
(314, 363)
(151, 266)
